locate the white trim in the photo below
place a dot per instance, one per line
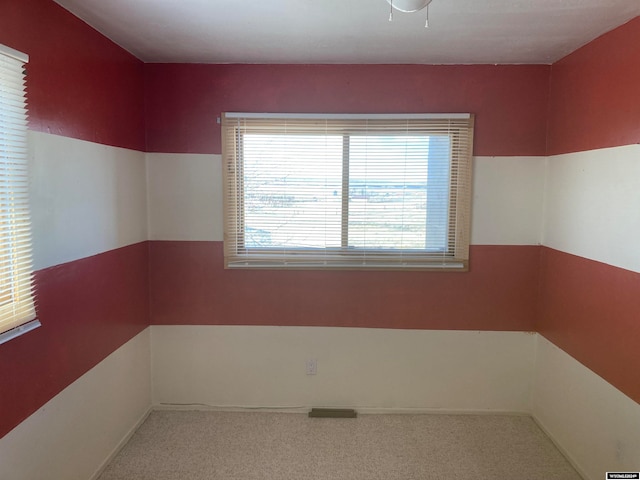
(304, 409)
(121, 444)
(10, 52)
(17, 331)
(561, 448)
(239, 265)
(353, 116)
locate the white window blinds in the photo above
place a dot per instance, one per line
(347, 191)
(16, 297)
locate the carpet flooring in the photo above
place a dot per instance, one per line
(206, 445)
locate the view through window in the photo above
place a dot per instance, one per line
(345, 193)
(293, 201)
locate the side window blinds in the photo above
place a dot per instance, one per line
(16, 290)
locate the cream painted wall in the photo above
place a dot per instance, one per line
(185, 198)
(373, 369)
(77, 431)
(592, 205)
(596, 425)
(507, 200)
(86, 198)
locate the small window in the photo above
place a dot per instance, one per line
(17, 312)
(347, 191)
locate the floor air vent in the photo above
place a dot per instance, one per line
(333, 413)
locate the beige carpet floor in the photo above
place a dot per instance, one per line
(197, 445)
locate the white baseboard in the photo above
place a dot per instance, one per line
(563, 450)
(365, 410)
(121, 444)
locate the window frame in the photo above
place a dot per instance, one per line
(454, 258)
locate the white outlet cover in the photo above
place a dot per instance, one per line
(312, 366)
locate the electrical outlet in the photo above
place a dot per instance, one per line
(312, 366)
(620, 450)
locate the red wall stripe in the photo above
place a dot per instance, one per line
(590, 310)
(88, 308)
(80, 84)
(594, 94)
(510, 102)
(189, 286)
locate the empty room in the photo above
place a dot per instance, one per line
(298, 239)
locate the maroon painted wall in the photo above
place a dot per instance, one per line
(80, 85)
(510, 102)
(589, 309)
(189, 285)
(594, 94)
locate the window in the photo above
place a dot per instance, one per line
(17, 311)
(347, 191)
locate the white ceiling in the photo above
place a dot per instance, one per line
(352, 31)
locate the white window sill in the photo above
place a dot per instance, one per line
(21, 330)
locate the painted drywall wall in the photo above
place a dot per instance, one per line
(594, 423)
(80, 84)
(184, 100)
(507, 206)
(86, 116)
(185, 198)
(590, 310)
(86, 198)
(87, 308)
(189, 286)
(592, 200)
(71, 435)
(89, 223)
(590, 263)
(594, 99)
(378, 369)
(586, 389)
(91, 259)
